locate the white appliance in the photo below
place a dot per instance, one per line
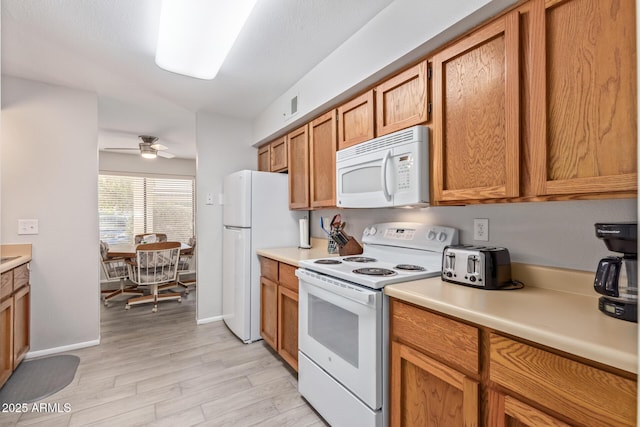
(255, 215)
(344, 319)
(391, 170)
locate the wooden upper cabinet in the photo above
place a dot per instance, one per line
(298, 148)
(356, 121)
(278, 149)
(476, 114)
(322, 147)
(584, 91)
(264, 158)
(402, 100)
(273, 157)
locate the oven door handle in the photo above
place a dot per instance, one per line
(361, 296)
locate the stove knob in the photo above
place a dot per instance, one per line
(442, 236)
(431, 235)
(372, 231)
(366, 231)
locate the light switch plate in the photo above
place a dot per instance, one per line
(27, 226)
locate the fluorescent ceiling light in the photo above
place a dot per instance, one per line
(196, 35)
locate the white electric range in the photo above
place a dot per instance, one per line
(343, 318)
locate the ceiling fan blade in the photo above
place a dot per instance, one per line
(121, 148)
(165, 154)
(158, 146)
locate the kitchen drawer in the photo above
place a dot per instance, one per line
(288, 277)
(452, 342)
(566, 386)
(20, 276)
(6, 286)
(269, 268)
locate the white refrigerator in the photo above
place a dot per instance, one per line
(255, 215)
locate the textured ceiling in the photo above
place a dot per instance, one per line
(107, 47)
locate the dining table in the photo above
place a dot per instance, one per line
(129, 250)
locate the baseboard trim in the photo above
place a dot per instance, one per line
(208, 320)
(64, 348)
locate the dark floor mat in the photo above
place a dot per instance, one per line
(39, 378)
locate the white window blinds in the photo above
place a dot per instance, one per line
(130, 205)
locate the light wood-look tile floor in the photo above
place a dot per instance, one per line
(161, 369)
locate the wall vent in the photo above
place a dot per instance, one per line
(294, 105)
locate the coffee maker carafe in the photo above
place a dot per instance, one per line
(617, 276)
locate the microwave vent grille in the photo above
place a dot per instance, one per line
(387, 141)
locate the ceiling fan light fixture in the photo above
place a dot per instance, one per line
(195, 36)
(147, 152)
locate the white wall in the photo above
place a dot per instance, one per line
(223, 147)
(400, 34)
(557, 234)
(134, 163)
(49, 173)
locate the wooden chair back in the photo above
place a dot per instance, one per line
(155, 263)
(160, 237)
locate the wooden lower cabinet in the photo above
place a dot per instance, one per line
(561, 386)
(21, 315)
(508, 411)
(279, 308)
(269, 311)
(288, 325)
(14, 320)
(425, 392)
(6, 340)
(496, 380)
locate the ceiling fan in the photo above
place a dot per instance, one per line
(149, 148)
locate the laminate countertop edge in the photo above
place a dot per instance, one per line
(22, 252)
(564, 321)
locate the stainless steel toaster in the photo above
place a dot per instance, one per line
(478, 266)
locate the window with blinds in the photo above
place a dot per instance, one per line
(130, 205)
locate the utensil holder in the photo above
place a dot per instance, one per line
(332, 247)
(351, 248)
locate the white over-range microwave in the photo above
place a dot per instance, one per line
(391, 170)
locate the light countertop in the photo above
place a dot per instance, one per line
(557, 308)
(293, 255)
(566, 321)
(21, 252)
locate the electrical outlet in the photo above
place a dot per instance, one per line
(481, 229)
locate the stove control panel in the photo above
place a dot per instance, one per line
(410, 235)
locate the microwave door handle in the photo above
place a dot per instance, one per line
(383, 175)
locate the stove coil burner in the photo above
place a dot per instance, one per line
(327, 261)
(359, 259)
(375, 271)
(409, 267)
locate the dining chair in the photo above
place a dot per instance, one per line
(155, 265)
(187, 267)
(115, 269)
(149, 238)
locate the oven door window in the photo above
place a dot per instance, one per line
(325, 320)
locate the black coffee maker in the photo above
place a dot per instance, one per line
(617, 277)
